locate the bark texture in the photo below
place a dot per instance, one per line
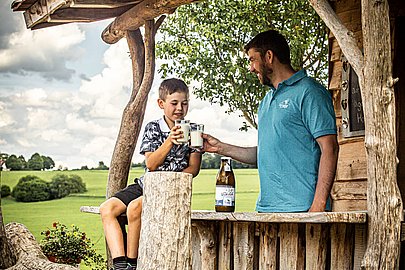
(165, 242)
(28, 252)
(7, 257)
(142, 53)
(384, 201)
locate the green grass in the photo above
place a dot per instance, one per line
(40, 215)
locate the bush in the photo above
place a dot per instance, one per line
(31, 189)
(60, 186)
(63, 185)
(78, 186)
(5, 191)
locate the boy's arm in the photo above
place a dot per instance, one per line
(194, 164)
(154, 159)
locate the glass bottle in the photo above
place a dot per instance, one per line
(225, 187)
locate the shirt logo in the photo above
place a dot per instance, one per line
(284, 104)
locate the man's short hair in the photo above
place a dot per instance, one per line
(270, 40)
(170, 86)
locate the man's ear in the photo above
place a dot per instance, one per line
(160, 103)
(269, 56)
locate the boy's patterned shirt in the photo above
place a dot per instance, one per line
(156, 132)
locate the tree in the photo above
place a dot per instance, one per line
(36, 162)
(3, 158)
(101, 166)
(204, 42)
(14, 163)
(23, 162)
(48, 162)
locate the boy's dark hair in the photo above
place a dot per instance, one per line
(170, 86)
(270, 40)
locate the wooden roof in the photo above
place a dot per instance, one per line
(128, 14)
(45, 13)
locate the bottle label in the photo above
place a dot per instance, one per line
(227, 167)
(224, 196)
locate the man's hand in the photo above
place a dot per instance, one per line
(211, 144)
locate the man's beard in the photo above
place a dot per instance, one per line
(265, 73)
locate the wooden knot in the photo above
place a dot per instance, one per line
(391, 82)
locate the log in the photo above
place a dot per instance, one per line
(137, 16)
(27, 250)
(165, 242)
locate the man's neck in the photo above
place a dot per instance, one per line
(281, 73)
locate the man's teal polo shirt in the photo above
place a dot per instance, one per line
(290, 118)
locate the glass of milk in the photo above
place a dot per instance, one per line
(185, 127)
(196, 136)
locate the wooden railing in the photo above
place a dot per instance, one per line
(287, 241)
(266, 241)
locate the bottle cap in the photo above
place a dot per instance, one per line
(225, 158)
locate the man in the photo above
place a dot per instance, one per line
(297, 144)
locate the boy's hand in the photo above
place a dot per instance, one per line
(175, 133)
(211, 144)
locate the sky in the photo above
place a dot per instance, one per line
(63, 90)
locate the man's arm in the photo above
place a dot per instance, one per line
(327, 169)
(243, 154)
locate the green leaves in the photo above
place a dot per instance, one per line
(204, 42)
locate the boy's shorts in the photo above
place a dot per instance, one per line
(129, 193)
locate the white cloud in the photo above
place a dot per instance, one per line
(44, 51)
(78, 125)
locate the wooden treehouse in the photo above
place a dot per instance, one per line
(364, 229)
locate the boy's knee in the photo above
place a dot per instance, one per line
(109, 209)
(134, 210)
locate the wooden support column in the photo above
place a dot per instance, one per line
(165, 242)
(384, 202)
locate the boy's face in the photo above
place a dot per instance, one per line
(175, 106)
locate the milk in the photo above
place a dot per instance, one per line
(196, 138)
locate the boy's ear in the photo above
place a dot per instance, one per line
(160, 103)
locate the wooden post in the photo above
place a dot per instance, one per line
(165, 242)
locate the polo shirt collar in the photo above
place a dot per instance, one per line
(295, 77)
(163, 125)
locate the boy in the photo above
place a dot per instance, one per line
(162, 153)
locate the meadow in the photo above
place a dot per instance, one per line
(38, 216)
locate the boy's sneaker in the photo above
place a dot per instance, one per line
(131, 266)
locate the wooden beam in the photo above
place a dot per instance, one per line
(315, 217)
(136, 17)
(345, 38)
(58, 11)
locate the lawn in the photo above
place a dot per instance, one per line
(40, 215)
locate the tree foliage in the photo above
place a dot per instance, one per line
(36, 162)
(204, 43)
(14, 163)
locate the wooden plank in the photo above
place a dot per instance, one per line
(349, 190)
(106, 4)
(292, 251)
(268, 246)
(243, 245)
(352, 163)
(68, 15)
(349, 205)
(360, 244)
(336, 52)
(317, 236)
(336, 79)
(313, 217)
(342, 246)
(225, 245)
(204, 245)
